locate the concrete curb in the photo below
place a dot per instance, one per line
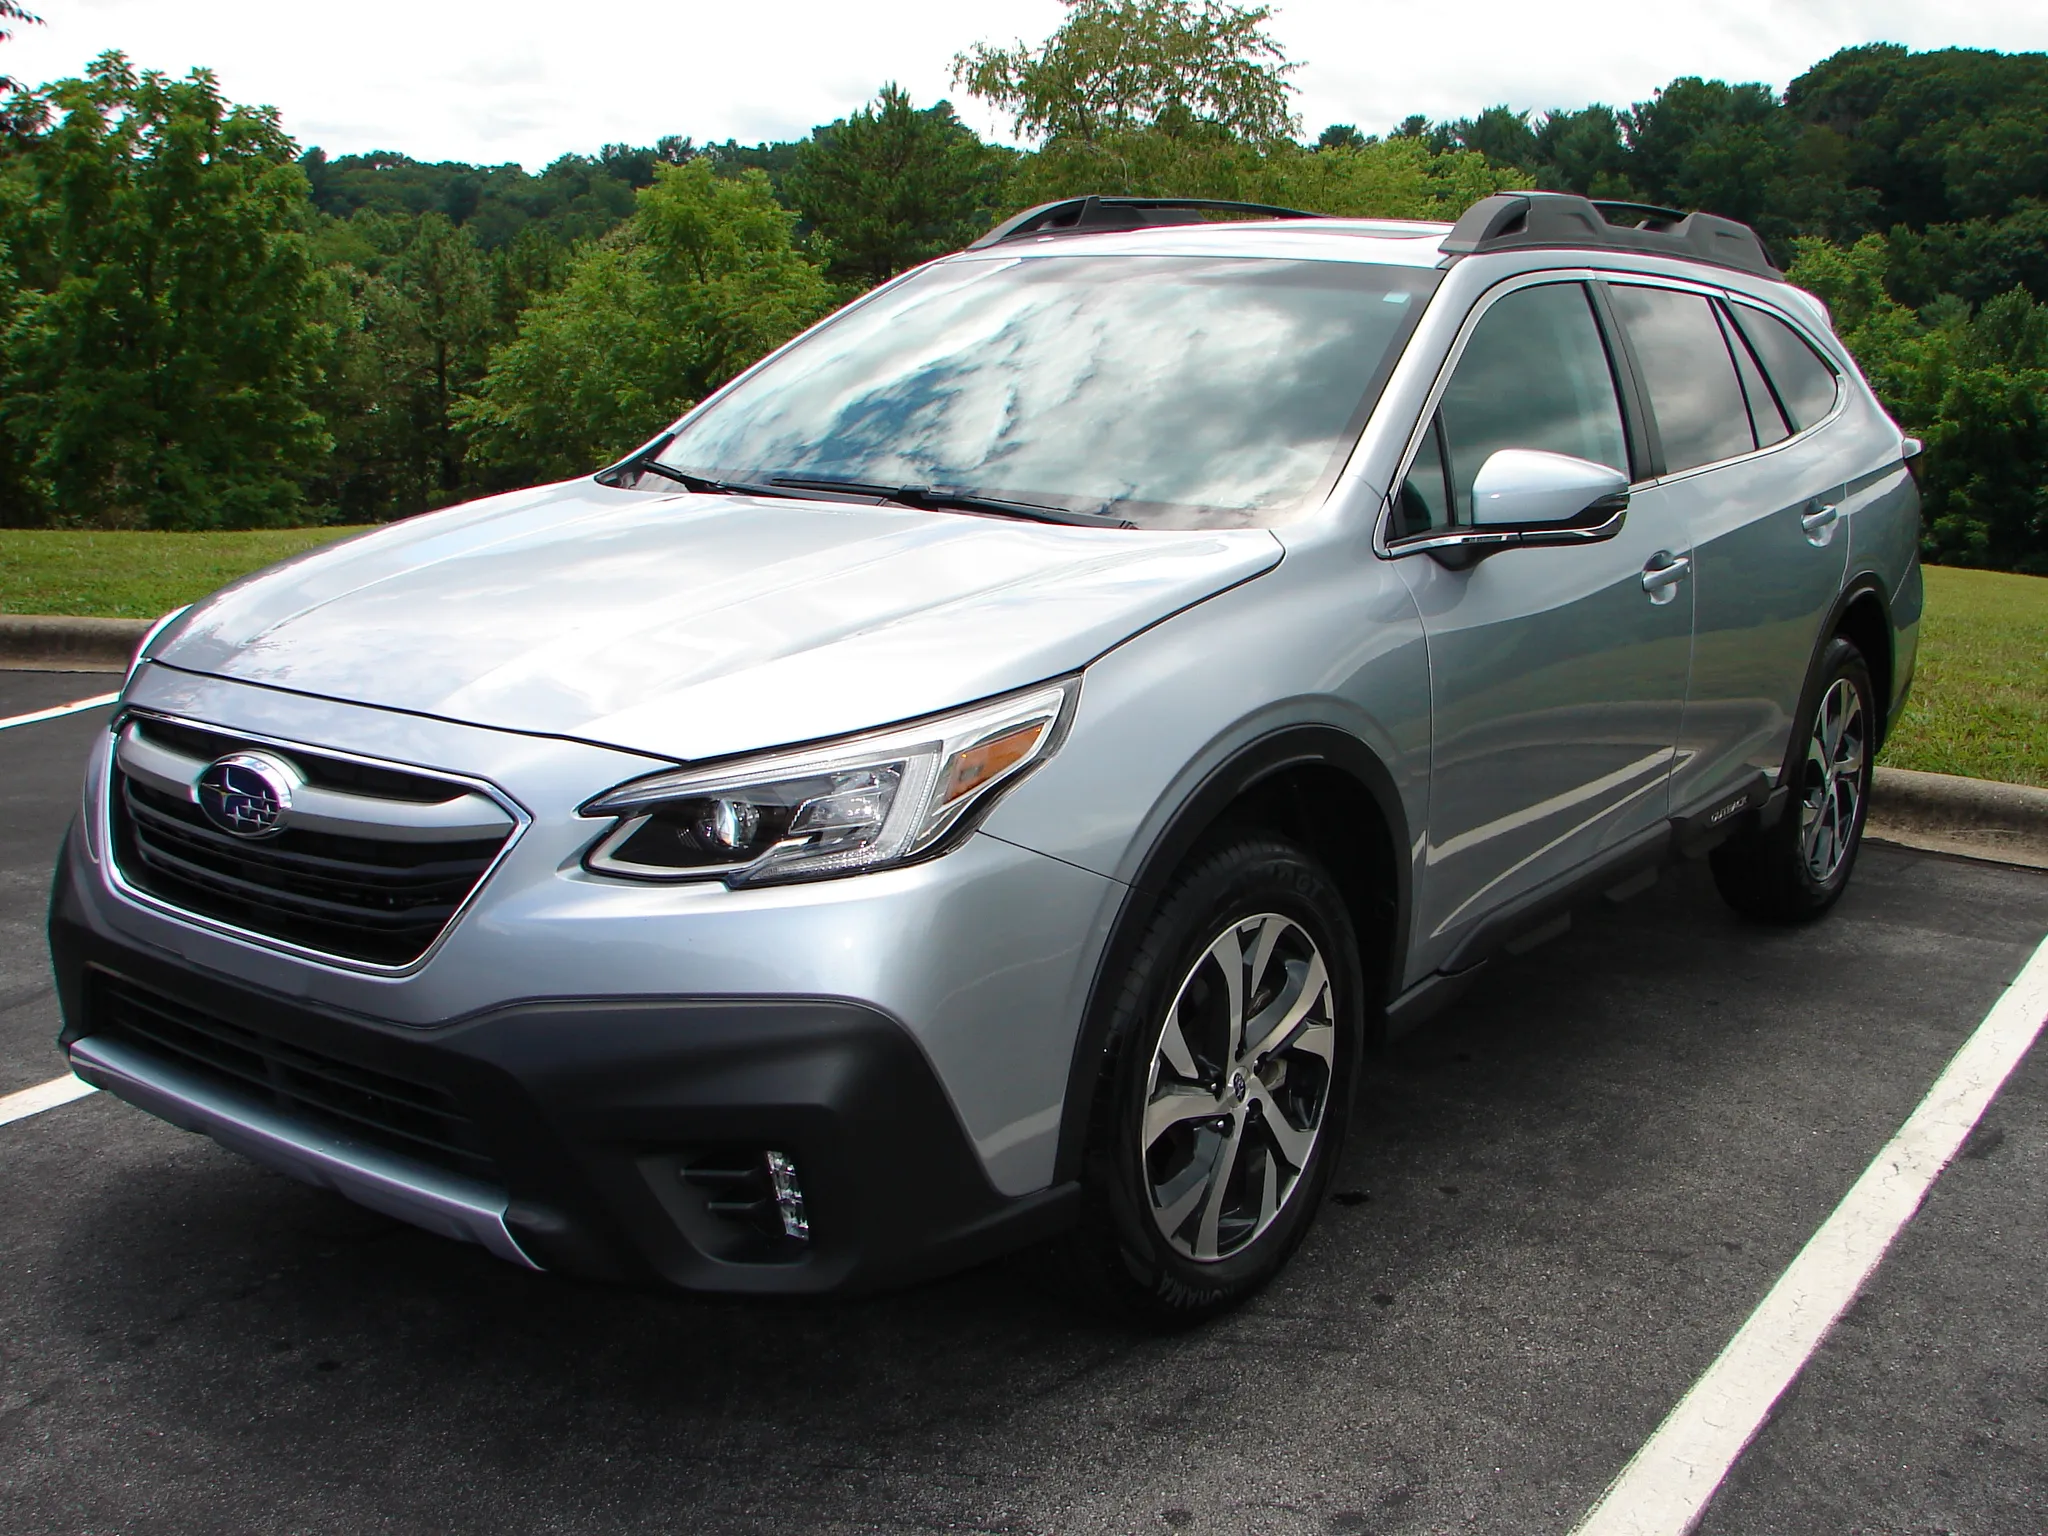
(53, 643)
(1979, 819)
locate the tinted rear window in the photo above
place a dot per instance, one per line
(1694, 394)
(1764, 414)
(1806, 384)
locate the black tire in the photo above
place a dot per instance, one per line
(1795, 870)
(1121, 1252)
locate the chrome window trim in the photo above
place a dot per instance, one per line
(118, 884)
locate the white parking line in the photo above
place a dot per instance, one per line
(59, 712)
(33, 1101)
(1664, 1489)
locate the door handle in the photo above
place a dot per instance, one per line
(1816, 521)
(1663, 574)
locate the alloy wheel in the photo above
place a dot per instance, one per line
(1239, 1083)
(1832, 794)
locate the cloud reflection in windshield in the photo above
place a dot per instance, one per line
(1174, 391)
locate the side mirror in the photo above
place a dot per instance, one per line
(1528, 491)
(1522, 497)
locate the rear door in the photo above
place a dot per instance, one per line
(1744, 464)
(1557, 676)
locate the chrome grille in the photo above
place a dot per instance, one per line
(372, 865)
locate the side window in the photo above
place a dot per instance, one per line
(1764, 414)
(1805, 381)
(1534, 374)
(1423, 504)
(1694, 393)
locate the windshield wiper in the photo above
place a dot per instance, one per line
(946, 499)
(705, 486)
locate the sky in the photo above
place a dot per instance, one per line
(522, 80)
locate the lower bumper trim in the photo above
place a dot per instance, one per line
(439, 1201)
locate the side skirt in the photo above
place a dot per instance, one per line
(1619, 873)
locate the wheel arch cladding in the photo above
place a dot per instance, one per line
(1318, 787)
(1865, 622)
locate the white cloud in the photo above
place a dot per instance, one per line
(521, 80)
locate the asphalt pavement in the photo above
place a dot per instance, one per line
(1563, 1199)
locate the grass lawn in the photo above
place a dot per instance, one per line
(1980, 697)
(134, 575)
(1979, 706)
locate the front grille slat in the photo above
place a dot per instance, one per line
(380, 900)
(313, 906)
(416, 1119)
(307, 865)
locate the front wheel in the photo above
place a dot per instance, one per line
(1796, 869)
(1232, 1057)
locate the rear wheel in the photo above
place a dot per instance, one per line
(1233, 1053)
(1795, 870)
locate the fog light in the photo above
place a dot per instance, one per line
(789, 1196)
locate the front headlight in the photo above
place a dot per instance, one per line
(836, 809)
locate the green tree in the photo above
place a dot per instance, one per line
(701, 282)
(414, 320)
(9, 11)
(1707, 144)
(1583, 152)
(893, 185)
(440, 330)
(533, 265)
(1114, 67)
(1936, 137)
(1976, 260)
(1972, 381)
(167, 328)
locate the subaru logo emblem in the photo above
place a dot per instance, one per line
(247, 794)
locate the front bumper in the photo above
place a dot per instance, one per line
(906, 1035)
(586, 1116)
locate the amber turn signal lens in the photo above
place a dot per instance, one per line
(991, 759)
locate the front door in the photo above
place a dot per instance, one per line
(1557, 676)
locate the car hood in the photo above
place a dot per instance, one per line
(690, 627)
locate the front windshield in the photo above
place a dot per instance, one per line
(1167, 391)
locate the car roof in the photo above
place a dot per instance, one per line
(1412, 243)
(1379, 242)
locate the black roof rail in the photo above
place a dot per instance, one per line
(1519, 221)
(1090, 215)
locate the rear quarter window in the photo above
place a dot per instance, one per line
(1806, 383)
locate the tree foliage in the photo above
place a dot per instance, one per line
(413, 326)
(893, 185)
(11, 12)
(1117, 67)
(164, 335)
(1972, 381)
(201, 326)
(701, 281)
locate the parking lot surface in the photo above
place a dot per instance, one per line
(1563, 1198)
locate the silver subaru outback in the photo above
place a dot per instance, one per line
(990, 774)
